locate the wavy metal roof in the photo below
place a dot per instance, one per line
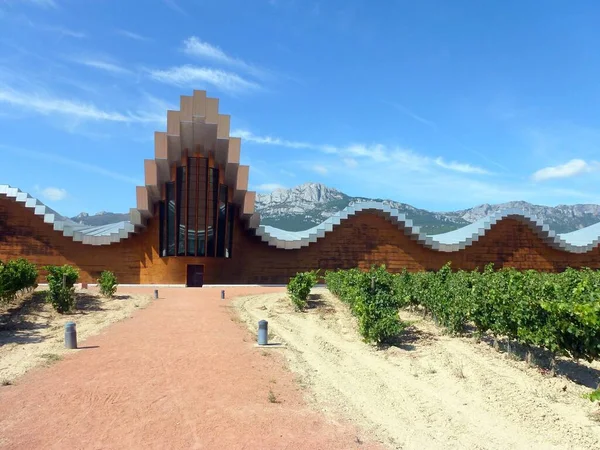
(580, 241)
(92, 235)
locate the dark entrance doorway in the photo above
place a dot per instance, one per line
(195, 275)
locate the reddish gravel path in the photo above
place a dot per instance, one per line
(180, 374)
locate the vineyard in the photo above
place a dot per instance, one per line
(556, 312)
(19, 276)
(16, 276)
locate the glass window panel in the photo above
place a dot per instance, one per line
(170, 219)
(222, 227)
(230, 220)
(192, 206)
(201, 206)
(181, 220)
(162, 248)
(213, 204)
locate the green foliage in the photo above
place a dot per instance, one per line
(108, 284)
(61, 297)
(558, 312)
(373, 299)
(594, 396)
(299, 288)
(16, 276)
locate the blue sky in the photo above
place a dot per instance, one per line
(439, 104)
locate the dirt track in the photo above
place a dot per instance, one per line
(182, 373)
(436, 392)
(35, 335)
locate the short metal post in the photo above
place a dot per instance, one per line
(223, 295)
(263, 332)
(70, 335)
(155, 294)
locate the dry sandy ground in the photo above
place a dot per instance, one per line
(35, 335)
(183, 373)
(435, 391)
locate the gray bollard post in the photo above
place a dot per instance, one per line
(70, 335)
(223, 295)
(155, 294)
(263, 332)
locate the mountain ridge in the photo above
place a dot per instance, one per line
(309, 204)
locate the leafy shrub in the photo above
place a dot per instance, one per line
(299, 288)
(108, 284)
(377, 308)
(16, 276)
(558, 312)
(593, 396)
(61, 297)
(372, 299)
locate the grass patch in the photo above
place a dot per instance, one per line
(430, 369)
(458, 370)
(272, 397)
(51, 357)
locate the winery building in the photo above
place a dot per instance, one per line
(195, 223)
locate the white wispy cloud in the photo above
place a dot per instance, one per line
(152, 103)
(287, 173)
(193, 46)
(435, 127)
(268, 187)
(460, 167)
(570, 169)
(270, 140)
(175, 7)
(403, 109)
(350, 162)
(378, 153)
(132, 35)
(106, 66)
(45, 104)
(43, 3)
(53, 193)
(80, 165)
(188, 75)
(320, 169)
(62, 31)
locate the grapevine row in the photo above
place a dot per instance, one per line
(558, 312)
(16, 276)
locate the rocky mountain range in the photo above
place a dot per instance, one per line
(310, 204)
(101, 218)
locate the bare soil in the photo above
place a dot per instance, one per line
(431, 390)
(32, 333)
(182, 373)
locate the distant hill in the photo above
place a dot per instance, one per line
(101, 218)
(309, 204)
(561, 218)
